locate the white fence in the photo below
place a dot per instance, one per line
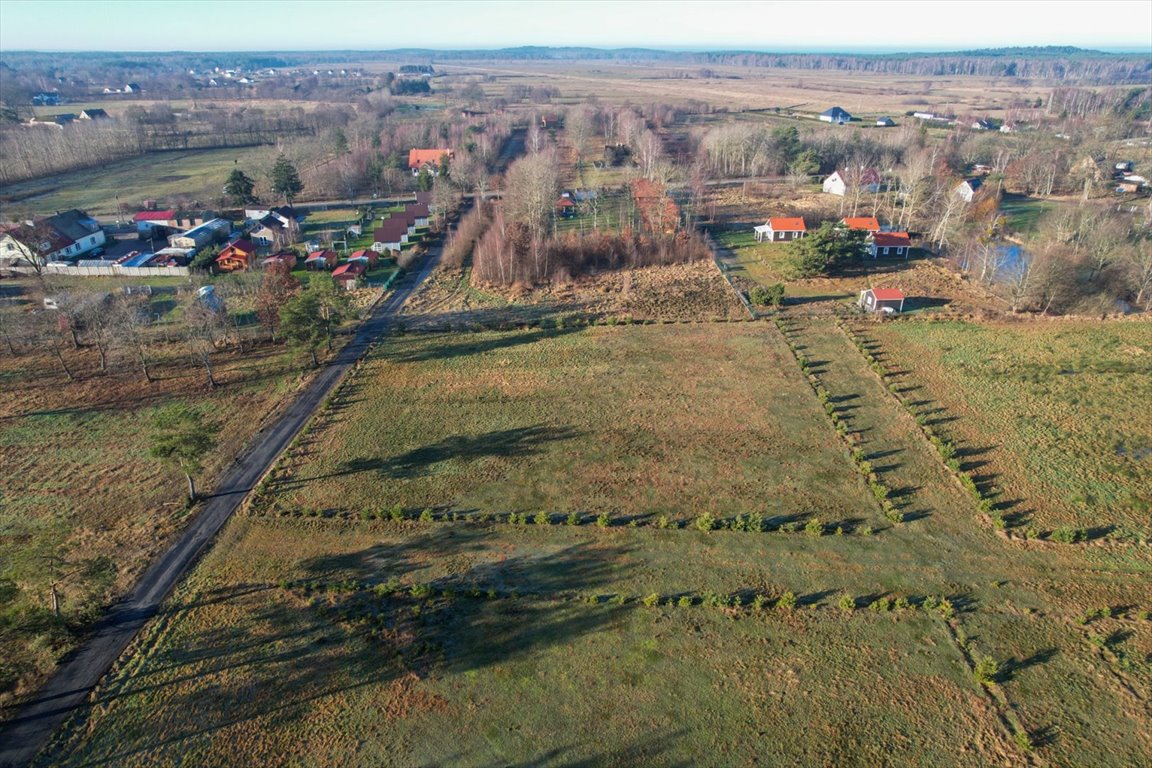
(112, 270)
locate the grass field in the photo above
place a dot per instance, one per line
(165, 176)
(334, 640)
(1056, 412)
(652, 428)
(82, 504)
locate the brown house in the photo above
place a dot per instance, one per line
(325, 259)
(237, 257)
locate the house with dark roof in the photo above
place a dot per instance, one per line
(781, 229)
(885, 122)
(968, 188)
(94, 114)
(889, 300)
(64, 236)
(390, 235)
(836, 116)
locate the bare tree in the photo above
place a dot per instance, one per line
(204, 326)
(130, 326)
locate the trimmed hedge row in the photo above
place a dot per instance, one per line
(880, 491)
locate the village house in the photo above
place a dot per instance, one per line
(237, 257)
(889, 300)
(418, 213)
(349, 273)
(155, 223)
(885, 122)
(273, 232)
(322, 259)
(427, 159)
(367, 255)
(968, 188)
(286, 259)
(781, 229)
(65, 236)
(839, 182)
(836, 116)
(390, 236)
(888, 244)
(94, 114)
(860, 223)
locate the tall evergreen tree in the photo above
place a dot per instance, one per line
(285, 180)
(239, 187)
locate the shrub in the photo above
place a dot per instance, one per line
(814, 527)
(790, 527)
(1024, 740)
(758, 602)
(868, 530)
(880, 605)
(426, 516)
(931, 603)
(705, 522)
(879, 490)
(787, 601)
(987, 670)
(573, 518)
(902, 604)
(684, 602)
(396, 513)
(662, 522)
(756, 522)
(947, 610)
(767, 295)
(602, 520)
(651, 600)
(1068, 535)
(846, 603)
(542, 518)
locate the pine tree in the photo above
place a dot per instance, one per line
(285, 180)
(239, 187)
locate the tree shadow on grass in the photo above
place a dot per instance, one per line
(419, 462)
(270, 661)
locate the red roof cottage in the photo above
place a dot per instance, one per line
(369, 256)
(781, 229)
(888, 244)
(324, 259)
(861, 223)
(882, 300)
(349, 273)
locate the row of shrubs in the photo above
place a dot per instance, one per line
(754, 522)
(986, 497)
(753, 601)
(879, 489)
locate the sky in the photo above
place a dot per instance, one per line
(782, 25)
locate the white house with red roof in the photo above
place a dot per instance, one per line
(888, 244)
(882, 300)
(781, 229)
(427, 159)
(147, 222)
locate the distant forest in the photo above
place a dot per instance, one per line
(1062, 63)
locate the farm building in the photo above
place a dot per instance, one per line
(322, 259)
(214, 231)
(885, 122)
(781, 229)
(888, 244)
(349, 273)
(237, 257)
(882, 300)
(836, 115)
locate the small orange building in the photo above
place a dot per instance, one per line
(236, 257)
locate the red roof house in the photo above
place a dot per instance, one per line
(862, 223)
(323, 259)
(367, 255)
(889, 244)
(882, 300)
(781, 229)
(426, 158)
(348, 273)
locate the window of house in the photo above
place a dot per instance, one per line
(885, 250)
